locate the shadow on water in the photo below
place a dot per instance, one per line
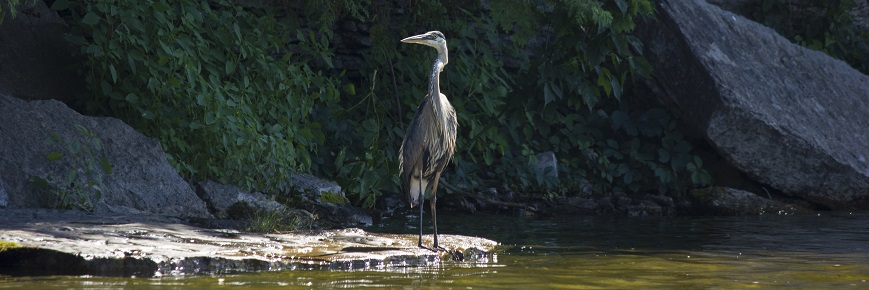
(829, 250)
(832, 233)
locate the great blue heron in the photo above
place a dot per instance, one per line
(431, 137)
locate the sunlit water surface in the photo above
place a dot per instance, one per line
(826, 251)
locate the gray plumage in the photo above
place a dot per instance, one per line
(431, 137)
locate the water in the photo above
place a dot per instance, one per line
(826, 251)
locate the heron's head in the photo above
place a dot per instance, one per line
(432, 38)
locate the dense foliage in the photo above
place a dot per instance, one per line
(525, 77)
(248, 95)
(227, 91)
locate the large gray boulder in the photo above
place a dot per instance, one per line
(45, 153)
(789, 117)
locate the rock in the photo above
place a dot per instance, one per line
(47, 149)
(621, 199)
(582, 205)
(735, 202)
(645, 208)
(789, 117)
(326, 200)
(662, 200)
(37, 62)
(390, 204)
(605, 204)
(4, 196)
(230, 202)
(547, 163)
(73, 243)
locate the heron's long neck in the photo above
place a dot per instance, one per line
(435, 79)
(434, 88)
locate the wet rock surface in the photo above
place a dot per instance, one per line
(75, 243)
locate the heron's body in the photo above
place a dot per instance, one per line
(431, 137)
(433, 132)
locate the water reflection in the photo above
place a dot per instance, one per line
(831, 250)
(829, 233)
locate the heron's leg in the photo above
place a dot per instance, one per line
(457, 255)
(434, 214)
(421, 202)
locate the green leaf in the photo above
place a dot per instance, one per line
(550, 93)
(132, 98)
(210, 118)
(370, 125)
(339, 160)
(350, 89)
(616, 88)
(53, 156)
(662, 174)
(276, 128)
(114, 73)
(230, 67)
(603, 82)
(39, 182)
(90, 19)
(663, 155)
(236, 30)
(620, 119)
(105, 166)
(60, 5)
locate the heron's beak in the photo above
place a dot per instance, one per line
(419, 39)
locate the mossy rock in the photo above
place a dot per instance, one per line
(4, 245)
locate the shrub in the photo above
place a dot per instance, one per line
(227, 91)
(524, 78)
(237, 95)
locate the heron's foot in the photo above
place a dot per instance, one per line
(457, 255)
(421, 246)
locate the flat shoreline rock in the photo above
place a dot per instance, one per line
(74, 243)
